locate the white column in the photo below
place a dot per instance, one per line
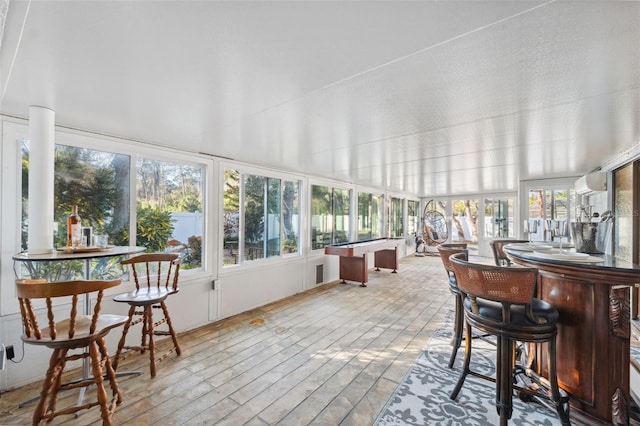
(41, 162)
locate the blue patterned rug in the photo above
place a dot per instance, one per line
(422, 398)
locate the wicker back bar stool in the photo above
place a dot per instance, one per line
(445, 251)
(77, 332)
(499, 256)
(499, 301)
(156, 278)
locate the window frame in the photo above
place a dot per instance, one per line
(15, 132)
(243, 170)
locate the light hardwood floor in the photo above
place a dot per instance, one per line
(329, 356)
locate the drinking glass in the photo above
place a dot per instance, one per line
(530, 227)
(101, 240)
(560, 229)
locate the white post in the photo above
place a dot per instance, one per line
(41, 175)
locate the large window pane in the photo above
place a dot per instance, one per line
(291, 217)
(341, 201)
(321, 216)
(498, 218)
(547, 205)
(267, 221)
(170, 209)
(329, 216)
(396, 216)
(98, 183)
(273, 217)
(624, 212)
(413, 217)
(370, 216)
(231, 213)
(465, 221)
(254, 215)
(377, 216)
(364, 216)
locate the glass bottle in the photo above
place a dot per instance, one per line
(74, 228)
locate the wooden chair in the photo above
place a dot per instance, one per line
(499, 256)
(156, 278)
(76, 332)
(499, 301)
(446, 250)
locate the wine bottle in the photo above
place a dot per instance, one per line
(74, 228)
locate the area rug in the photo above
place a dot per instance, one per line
(422, 398)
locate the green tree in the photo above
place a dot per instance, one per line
(154, 228)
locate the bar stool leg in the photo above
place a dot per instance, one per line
(167, 317)
(562, 405)
(458, 326)
(110, 372)
(467, 361)
(148, 318)
(504, 380)
(123, 338)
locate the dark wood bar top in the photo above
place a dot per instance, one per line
(594, 329)
(610, 265)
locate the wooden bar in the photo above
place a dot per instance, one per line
(593, 300)
(354, 261)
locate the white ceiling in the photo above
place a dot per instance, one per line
(423, 97)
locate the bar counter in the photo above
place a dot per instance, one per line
(593, 300)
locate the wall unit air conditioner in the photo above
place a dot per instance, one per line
(591, 183)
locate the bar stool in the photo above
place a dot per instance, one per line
(156, 278)
(75, 332)
(446, 250)
(499, 301)
(499, 256)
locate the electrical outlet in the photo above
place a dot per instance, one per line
(3, 357)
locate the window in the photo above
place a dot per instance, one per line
(261, 217)
(330, 216)
(498, 218)
(547, 207)
(413, 217)
(266, 222)
(465, 221)
(396, 217)
(169, 209)
(623, 196)
(369, 216)
(98, 183)
(291, 217)
(231, 219)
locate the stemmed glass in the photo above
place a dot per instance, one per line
(560, 229)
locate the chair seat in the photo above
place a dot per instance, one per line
(81, 336)
(145, 296)
(519, 320)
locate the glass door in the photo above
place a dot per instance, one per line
(465, 215)
(498, 222)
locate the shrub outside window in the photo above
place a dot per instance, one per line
(169, 209)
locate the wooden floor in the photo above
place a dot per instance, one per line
(329, 356)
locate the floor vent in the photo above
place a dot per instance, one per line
(319, 274)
